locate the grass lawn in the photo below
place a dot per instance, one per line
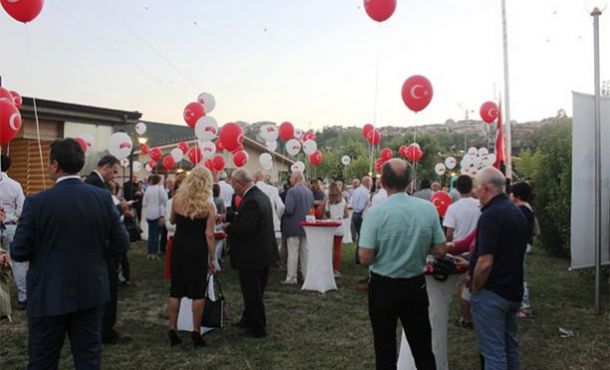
(330, 331)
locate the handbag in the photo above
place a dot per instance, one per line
(442, 267)
(213, 310)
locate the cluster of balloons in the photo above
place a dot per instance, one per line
(10, 118)
(295, 140)
(475, 160)
(371, 134)
(449, 164)
(23, 11)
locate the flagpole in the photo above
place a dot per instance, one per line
(507, 128)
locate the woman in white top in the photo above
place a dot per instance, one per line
(336, 209)
(154, 204)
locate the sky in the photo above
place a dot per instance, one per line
(310, 62)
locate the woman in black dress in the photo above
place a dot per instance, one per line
(193, 252)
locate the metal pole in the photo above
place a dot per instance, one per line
(507, 130)
(598, 168)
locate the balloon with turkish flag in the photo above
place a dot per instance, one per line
(386, 154)
(10, 121)
(219, 146)
(380, 10)
(366, 129)
(414, 152)
(23, 11)
(169, 162)
(184, 147)
(194, 155)
(316, 158)
(417, 93)
(489, 111)
(232, 136)
(5, 95)
(219, 162)
(156, 154)
(18, 99)
(379, 164)
(309, 135)
(82, 143)
(374, 137)
(144, 148)
(209, 164)
(442, 201)
(192, 112)
(286, 131)
(402, 151)
(240, 158)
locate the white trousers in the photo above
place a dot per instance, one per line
(20, 269)
(297, 251)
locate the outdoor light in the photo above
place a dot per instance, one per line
(142, 140)
(370, 174)
(596, 7)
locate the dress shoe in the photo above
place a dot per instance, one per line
(198, 340)
(174, 339)
(117, 340)
(254, 334)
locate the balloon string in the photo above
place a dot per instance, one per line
(42, 174)
(376, 96)
(414, 162)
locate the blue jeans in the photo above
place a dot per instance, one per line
(153, 236)
(495, 325)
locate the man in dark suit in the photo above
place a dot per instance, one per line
(64, 233)
(107, 168)
(253, 249)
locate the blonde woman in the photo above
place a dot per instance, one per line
(194, 217)
(336, 209)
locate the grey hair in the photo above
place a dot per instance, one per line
(492, 177)
(299, 174)
(242, 175)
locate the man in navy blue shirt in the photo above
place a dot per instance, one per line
(497, 272)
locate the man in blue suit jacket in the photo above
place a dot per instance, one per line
(64, 233)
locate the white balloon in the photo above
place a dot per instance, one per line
(346, 160)
(148, 168)
(265, 161)
(491, 158)
(297, 166)
(483, 152)
(466, 162)
(124, 163)
(450, 163)
(140, 128)
(119, 145)
(293, 147)
(473, 151)
(271, 145)
(137, 167)
(269, 132)
(472, 172)
(208, 101)
(298, 133)
(177, 154)
(440, 169)
(310, 146)
(477, 161)
(464, 170)
(206, 128)
(208, 149)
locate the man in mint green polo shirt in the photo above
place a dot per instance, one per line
(395, 239)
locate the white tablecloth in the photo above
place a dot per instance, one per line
(440, 295)
(319, 275)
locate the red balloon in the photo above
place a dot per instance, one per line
(169, 162)
(23, 11)
(286, 131)
(152, 164)
(380, 10)
(442, 201)
(144, 148)
(156, 154)
(5, 95)
(309, 135)
(417, 93)
(386, 154)
(194, 154)
(209, 164)
(83, 143)
(232, 136)
(10, 121)
(366, 130)
(192, 112)
(374, 137)
(219, 162)
(18, 99)
(316, 158)
(379, 164)
(219, 146)
(402, 151)
(240, 158)
(414, 153)
(489, 111)
(184, 147)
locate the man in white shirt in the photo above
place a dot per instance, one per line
(463, 215)
(277, 205)
(226, 190)
(380, 197)
(11, 202)
(359, 201)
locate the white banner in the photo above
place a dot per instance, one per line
(582, 240)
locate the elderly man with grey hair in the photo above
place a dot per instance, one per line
(496, 271)
(253, 249)
(299, 200)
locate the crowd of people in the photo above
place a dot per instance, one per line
(75, 239)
